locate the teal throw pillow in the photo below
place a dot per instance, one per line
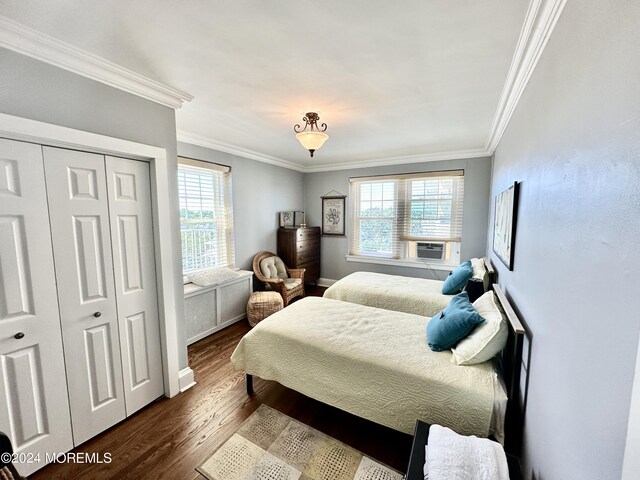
(455, 322)
(458, 279)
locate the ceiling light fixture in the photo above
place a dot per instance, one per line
(313, 138)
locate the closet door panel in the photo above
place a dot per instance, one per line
(34, 408)
(76, 188)
(129, 192)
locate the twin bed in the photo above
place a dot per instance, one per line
(420, 296)
(375, 363)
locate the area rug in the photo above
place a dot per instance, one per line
(272, 446)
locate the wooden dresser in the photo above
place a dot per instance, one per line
(300, 248)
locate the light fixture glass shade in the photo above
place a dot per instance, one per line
(312, 140)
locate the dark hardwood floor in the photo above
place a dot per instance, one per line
(171, 437)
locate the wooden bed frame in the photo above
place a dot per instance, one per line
(510, 365)
(475, 288)
(510, 360)
(492, 272)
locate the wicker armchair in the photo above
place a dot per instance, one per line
(271, 270)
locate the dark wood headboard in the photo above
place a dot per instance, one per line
(510, 362)
(476, 287)
(490, 270)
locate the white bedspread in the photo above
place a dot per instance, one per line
(391, 292)
(371, 362)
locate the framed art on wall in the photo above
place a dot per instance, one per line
(504, 224)
(333, 215)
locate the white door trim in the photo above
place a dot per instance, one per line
(18, 128)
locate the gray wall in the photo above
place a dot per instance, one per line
(260, 191)
(477, 181)
(574, 143)
(36, 90)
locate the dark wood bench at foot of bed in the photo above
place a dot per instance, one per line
(416, 460)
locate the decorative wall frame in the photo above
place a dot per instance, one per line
(504, 224)
(333, 210)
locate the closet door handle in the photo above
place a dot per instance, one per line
(97, 314)
(18, 335)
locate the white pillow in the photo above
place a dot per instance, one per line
(488, 338)
(211, 276)
(480, 272)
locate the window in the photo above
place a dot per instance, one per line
(394, 216)
(206, 215)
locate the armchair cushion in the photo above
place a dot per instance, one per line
(291, 283)
(273, 267)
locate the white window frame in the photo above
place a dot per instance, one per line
(220, 198)
(403, 242)
(356, 218)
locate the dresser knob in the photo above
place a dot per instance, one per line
(97, 314)
(18, 335)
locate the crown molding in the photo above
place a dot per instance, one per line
(19, 38)
(202, 141)
(401, 160)
(540, 20)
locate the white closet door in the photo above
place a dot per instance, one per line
(135, 275)
(34, 409)
(76, 188)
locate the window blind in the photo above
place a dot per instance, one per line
(206, 215)
(387, 211)
(374, 213)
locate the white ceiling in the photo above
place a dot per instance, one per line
(410, 79)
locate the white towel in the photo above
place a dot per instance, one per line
(425, 469)
(458, 457)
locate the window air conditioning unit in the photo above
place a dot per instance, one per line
(432, 250)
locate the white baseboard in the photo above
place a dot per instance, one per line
(326, 282)
(186, 379)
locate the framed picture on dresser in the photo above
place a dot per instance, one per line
(333, 215)
(287, 219)
(299, 219)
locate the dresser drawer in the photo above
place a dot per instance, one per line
(309, 261)
(306, 257)
(306, 245)
(307, 233)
